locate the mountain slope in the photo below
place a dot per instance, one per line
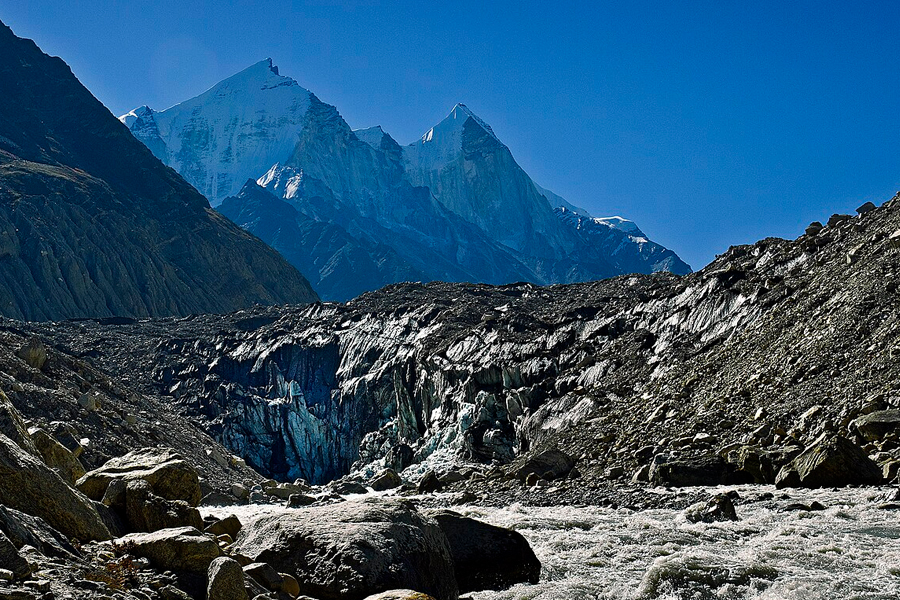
(454, 206)
(91, 224)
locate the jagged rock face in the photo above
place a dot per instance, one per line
(92, 225)
(608, 371)
(453, 206)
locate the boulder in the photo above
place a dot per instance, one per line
(718, 508)
(178, 549)
(298, 500)
(145, 511)
(704, 470)
(265, 575)
(400, 595)
(34, 353)
(345, 488)
(168, 474)
(226, 580)
(814, 228)
(230, 525)
(56, 456)
(385, 480)
(11, 560)
(549, 464)
(876, 425)
(27, 484)
(486, 557)
(830, 461)
(350, 550)
(13, 426)
(429, 483)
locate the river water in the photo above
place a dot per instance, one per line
(849, 550)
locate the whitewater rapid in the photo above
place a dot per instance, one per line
(849, 550)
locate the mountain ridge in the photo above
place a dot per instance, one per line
(453, 205)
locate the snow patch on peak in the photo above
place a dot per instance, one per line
(142, 112)
(622, 224)
(284, 182)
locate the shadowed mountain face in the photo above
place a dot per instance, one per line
(92, 224)
(453, 206)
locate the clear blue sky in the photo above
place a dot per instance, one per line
(708, 123)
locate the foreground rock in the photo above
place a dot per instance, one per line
(831, 461)
(168, 474)
(226, 580)
(178, 549)
(486, 557)
(354, 549)
(28, 485)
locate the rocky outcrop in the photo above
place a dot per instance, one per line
(354, 549)
(93, 225)
(486, 557)
(28, 485)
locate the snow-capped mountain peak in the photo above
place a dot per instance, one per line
(443, 143)
(232, 132)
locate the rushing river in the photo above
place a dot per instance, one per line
(850, 550)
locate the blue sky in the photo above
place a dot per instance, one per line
(708, 123)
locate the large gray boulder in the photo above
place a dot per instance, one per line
(354, 549)
(177, 549)
(145, 511)
(23, 529)
(486, 557)
(27, 484)
(830, 461)
(701, 470)
(876, 425)
(168, 474)
(226, 580)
